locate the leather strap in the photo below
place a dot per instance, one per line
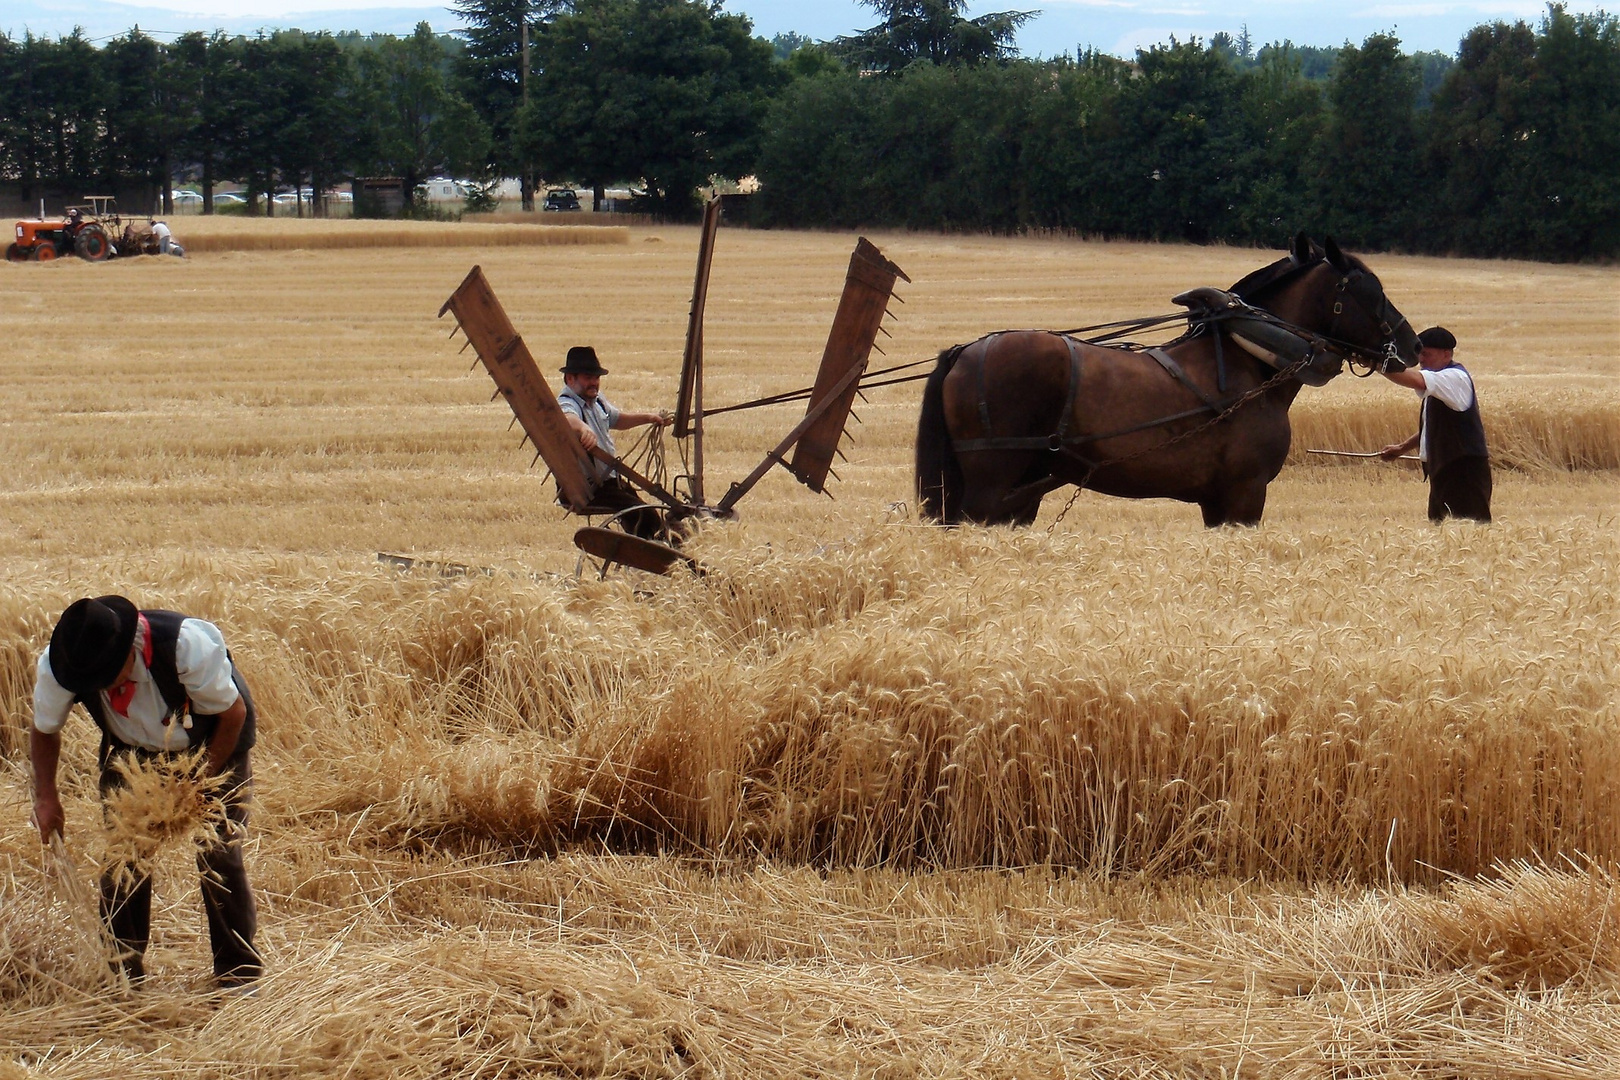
(1169, 364)
(984, 362)
(1074, 392)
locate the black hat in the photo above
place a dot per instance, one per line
(582, 361)
(91, 641)
(1437, 337)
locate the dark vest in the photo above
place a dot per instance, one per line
(1451, 434)
(165, 627)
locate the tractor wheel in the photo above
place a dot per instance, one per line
(92, 243)
(16, 253)
(45, 252)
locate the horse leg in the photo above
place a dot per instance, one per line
(1027, 513)
(1240, 503)
(985, 489)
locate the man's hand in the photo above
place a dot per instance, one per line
(48, 816)
(1395, 450)
(587, 437)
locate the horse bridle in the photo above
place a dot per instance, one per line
(1368, 294)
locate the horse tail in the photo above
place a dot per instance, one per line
(939, 474)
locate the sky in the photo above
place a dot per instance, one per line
(1113, 26)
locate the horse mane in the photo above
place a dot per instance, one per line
(1267, 279)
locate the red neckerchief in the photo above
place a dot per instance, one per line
(121, 695)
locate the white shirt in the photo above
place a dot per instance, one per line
(160, 232)
(1454, 389)
(205, 672)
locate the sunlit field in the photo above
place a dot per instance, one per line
(1112, 796)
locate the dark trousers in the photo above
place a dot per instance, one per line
(615, 494)
(1462, 490)
(227, 899)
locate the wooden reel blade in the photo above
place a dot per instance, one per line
(867, 287)
(518, 379)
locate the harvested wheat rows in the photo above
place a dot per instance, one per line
(511, 824)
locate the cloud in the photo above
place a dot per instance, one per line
(1148, 36)
(1475, 12)
(1178, 11)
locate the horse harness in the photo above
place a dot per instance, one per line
(1286, 348)
(1060, 441)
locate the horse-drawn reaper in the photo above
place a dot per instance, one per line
(1202, 419)
(812, 443)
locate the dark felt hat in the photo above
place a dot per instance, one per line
(582, 361)
(1437, 337)
(91, 641)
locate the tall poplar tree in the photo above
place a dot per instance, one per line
(496, 72)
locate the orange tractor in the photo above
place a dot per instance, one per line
(86, 231)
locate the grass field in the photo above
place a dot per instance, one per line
(1113, 796)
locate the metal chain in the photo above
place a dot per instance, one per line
(1282, 374)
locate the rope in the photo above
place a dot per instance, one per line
(646, 455)
(804, 392)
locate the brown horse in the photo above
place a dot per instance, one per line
(1015, 415)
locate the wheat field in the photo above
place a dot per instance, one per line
(1114, 796)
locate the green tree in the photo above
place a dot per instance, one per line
(319, 92)
(1572, 108)
(1367, 185)
(1282, 117)
(818, 150)
(56, 94)
(1178, 176)
(668, 92)
(418, 124)
(1523, 137)
(200, 66)
(932, 30)
(495, 68)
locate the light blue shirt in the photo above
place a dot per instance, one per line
(599, 416)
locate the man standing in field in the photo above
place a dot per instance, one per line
(1450, 438)
(594, 419)
(157, 684)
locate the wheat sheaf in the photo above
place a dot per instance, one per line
(166, 803)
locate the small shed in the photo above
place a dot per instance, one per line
(380, 196)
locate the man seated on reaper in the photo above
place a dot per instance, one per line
(594, 419)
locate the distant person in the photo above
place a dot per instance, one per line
(157, 684)
(1450, 439)
(165, 240)
(594, 419)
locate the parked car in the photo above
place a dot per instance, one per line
(229, 198)
(183, 197)
(561, 199)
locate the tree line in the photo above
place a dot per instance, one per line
(1509, 150)
(927, 120)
